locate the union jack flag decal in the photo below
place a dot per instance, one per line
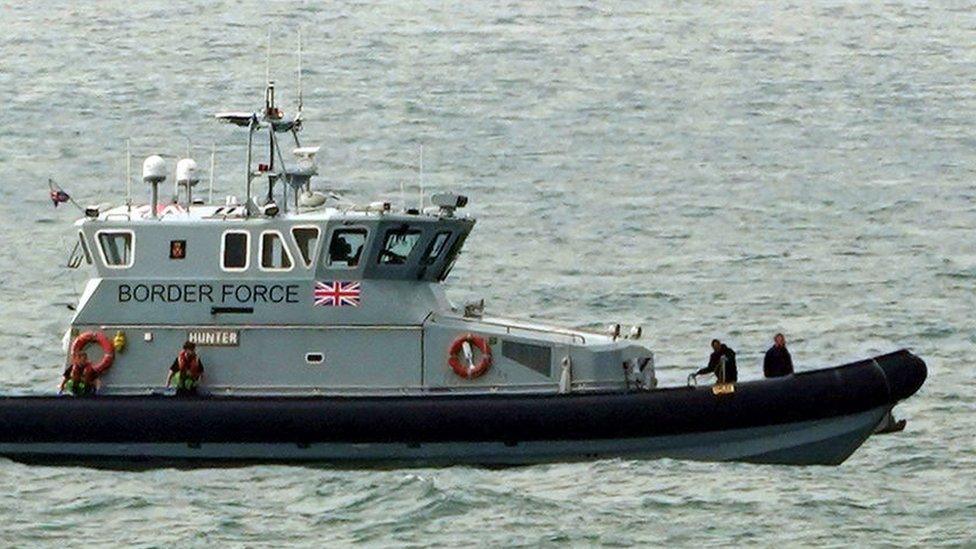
(337, 294)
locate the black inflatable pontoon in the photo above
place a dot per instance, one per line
(816, 417)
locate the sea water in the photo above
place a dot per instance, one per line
(726, 170)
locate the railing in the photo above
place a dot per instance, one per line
(576, 336)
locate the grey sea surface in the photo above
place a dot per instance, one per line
(705, 170)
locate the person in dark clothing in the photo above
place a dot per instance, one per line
(186, 371)
(778, 361)
(721, 363)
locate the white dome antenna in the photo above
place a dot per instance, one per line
(186, 177)
(186, 172)
(154, 173)
(154, 169)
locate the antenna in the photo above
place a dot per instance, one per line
(128, 173)
(300, 98)
(421, 177)
(267, 66)
(213, 163)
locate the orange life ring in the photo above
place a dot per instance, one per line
(462, 369)
(86, 339)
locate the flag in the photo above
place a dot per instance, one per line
(59, 197)
(337, 294)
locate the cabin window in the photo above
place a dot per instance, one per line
(274, 254)
(536, 357)
(452, 255)
(397, 245)
(346, 247)
(116, 248)
(305, 240)
(235, 250)
(436, 247)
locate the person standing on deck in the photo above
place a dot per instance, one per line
(778, 362)
(721, 363)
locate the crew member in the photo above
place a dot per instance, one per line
(721, 363)
(186, 370)
(79, 378)
(778, 361)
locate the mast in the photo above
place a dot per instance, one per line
(274, 118)
(270, 113)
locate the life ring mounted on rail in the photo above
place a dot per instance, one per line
(86, 339)
(460, 356)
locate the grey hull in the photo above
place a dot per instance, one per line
(825, 442)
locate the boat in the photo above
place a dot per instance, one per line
(324, 335)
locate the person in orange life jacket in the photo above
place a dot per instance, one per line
(80, 378)
(721, 363)
(186, 370)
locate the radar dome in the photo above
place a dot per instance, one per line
(154, 169)
(186, 172)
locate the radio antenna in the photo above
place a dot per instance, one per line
(267, 64)
(128, 173)
(300, 98)
(421, 177)
(213, 163)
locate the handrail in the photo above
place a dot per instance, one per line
(537, 329)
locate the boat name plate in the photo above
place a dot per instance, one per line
(213, 337)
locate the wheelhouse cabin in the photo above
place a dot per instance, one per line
(324, 301)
